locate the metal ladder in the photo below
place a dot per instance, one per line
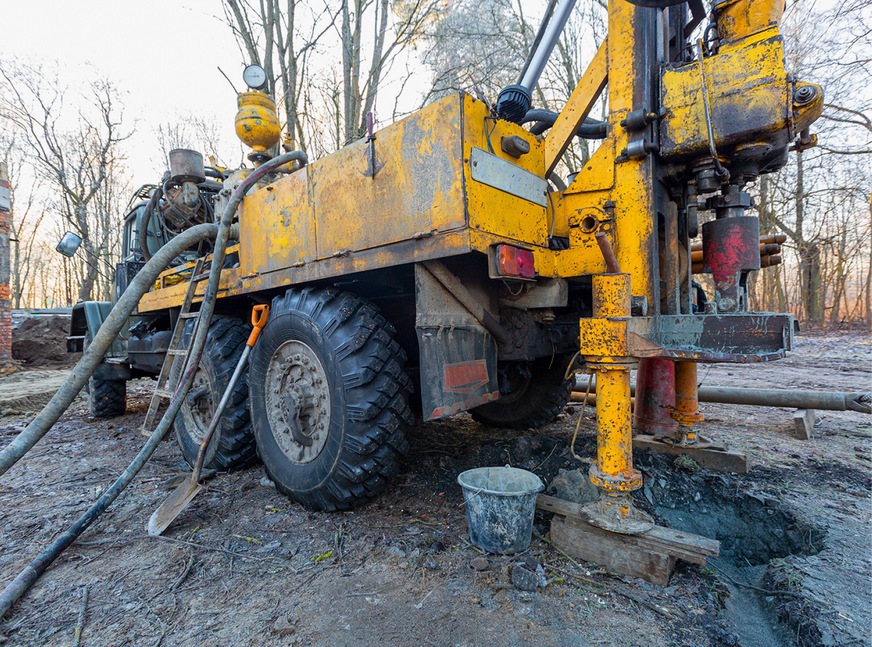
(168, 378)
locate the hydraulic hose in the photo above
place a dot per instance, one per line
(119, 314)
(143, 220)
(590, 129)
(143, 281)
(101, 342)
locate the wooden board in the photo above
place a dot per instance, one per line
(607, 549)
(803, 422)
(650, 555)
(711, 458)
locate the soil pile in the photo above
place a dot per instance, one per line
(41, 342)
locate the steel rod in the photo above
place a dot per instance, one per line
(789, 399)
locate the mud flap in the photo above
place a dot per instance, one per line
(458, 355)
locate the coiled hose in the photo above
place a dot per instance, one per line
(98, 347)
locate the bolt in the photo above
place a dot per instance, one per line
(804, 95)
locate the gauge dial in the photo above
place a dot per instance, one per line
(254, 77)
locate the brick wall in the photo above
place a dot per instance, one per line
(5, 293)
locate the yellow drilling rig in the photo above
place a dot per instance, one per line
(439, 265)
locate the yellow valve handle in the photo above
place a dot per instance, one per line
(258, 320)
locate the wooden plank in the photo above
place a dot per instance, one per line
(803, 422)
(684, 545)
(611, 550)
(711, 458)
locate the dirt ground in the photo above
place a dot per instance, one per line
(244, 566)
(40, 342)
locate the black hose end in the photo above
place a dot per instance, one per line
(513, 103)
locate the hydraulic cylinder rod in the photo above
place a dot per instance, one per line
(539, 57)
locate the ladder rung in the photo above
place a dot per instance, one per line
(178, 351)
(164, 393)
(200, 277)
(189, 315)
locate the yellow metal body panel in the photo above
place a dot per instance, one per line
(741, 18)
(749, 98)
(278, 226)
(492, 210)
(417, 187)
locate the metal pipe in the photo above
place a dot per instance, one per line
(605, 246)
(538, 38)
(539, 57)
(819, 400)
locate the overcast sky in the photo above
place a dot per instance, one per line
(163, 56)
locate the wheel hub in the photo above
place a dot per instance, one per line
(298, 401)
(198, 411)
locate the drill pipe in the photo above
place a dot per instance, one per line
(819, 400)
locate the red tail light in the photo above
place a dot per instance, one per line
(515, 262)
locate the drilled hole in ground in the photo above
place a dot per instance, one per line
(745, 516)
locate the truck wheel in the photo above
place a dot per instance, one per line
(232, 446)
(107, 398)
(329, 398)
(537, 392)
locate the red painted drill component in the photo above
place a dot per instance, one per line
(655, 397)
(731, 248)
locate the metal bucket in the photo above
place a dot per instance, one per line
(500, 505)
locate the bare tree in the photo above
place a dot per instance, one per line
(77, 160)
(388, 28)
(281, 37)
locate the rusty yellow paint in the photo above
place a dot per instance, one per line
(611, 295)
(577, 108)
(418, 186)
(749, 94)
(739, 18)
(491, 210)
(257, 125)
(601, 337)
(277, 226)
(599, 172)
(613, 472)
(617, 197)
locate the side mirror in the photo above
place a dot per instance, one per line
(69, 244)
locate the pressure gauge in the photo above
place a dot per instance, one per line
(254, 77)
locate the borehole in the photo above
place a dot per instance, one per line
(752, 525)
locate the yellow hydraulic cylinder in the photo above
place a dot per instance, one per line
(613, 472)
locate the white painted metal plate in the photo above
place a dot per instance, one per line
(505, 176)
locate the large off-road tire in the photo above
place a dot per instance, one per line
(232, 446)
(329, 398)
(107, 398)
(536, 393)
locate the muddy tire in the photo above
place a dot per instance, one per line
(329, 398)
(232, 446)
(107, 398)
(535, 393)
